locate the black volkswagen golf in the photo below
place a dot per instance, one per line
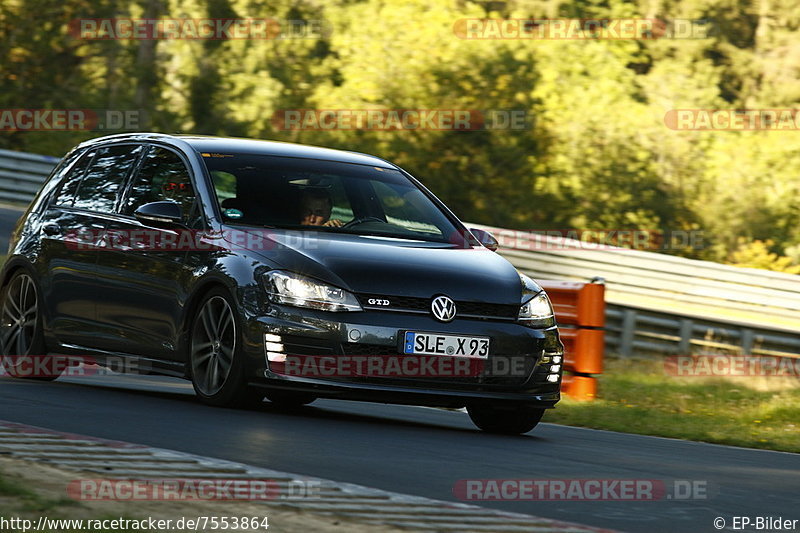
(272, 270)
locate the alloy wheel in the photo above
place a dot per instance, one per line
(19, 316)
(213, 344)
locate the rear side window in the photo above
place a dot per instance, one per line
(66, 194)
(161, 176)
(105, 177)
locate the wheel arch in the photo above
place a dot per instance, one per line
(14, 265)
(201, 289)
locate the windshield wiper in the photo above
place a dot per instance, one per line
(407, 236)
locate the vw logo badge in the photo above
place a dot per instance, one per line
(443, 308)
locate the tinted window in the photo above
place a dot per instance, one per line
(66, 195)
(161, 176)
(342, 197)
(402, 208)
(105, 177)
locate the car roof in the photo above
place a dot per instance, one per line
(203, 143)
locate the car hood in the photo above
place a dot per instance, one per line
(398, 267)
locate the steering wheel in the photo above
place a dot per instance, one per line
(361, 220)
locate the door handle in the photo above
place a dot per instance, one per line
(51, 228)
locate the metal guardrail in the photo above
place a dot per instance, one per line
(22, 174)
(656, 303)
(632, 331)
(661, 304)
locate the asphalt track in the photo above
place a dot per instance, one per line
(419, 451)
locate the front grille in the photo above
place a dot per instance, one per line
(486, 372)
(410, 304)
(397, 303)
(293, 345)
(491, 310)
(360, 348)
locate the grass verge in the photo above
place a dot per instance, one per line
(638, 396)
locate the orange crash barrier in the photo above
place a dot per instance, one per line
(580, 311)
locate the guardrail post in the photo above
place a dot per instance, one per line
(685, 343)
(747, 341)
(628, 331)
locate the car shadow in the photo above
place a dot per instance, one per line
(158, 388)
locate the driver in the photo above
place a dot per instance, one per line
(315, 209)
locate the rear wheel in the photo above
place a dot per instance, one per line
(506, 419)
(216, 359)
(24, 353)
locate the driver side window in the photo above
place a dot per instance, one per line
(163, 176)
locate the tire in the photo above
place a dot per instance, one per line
(507, 420)
(22, 344)
(290, 400)
(215, 359)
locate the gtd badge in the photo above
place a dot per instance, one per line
(443, 308)
(378, 301)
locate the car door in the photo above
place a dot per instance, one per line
(71, 229)
(142, 275)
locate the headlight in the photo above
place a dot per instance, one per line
(536, 310)
(294, 289)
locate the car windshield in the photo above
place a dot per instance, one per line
(294, 193)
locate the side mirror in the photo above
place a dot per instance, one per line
(164, 212)
(485, 238)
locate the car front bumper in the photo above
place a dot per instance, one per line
(516, 370)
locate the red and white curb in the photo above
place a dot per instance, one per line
(121, 460)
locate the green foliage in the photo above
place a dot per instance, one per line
(596, 153)
(756, 254)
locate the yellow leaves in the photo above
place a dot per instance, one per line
(18, 54)
(756, 254)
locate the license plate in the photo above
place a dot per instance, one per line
(419, 343)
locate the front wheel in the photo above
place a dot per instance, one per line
(508, 420)
(24, 353)
(216, 359)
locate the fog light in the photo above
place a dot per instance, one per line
(274, 347)
(556, 358)
(274, 357)
(552, 378)
(555, 368)
(271, 337)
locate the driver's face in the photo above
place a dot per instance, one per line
(315, 212)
